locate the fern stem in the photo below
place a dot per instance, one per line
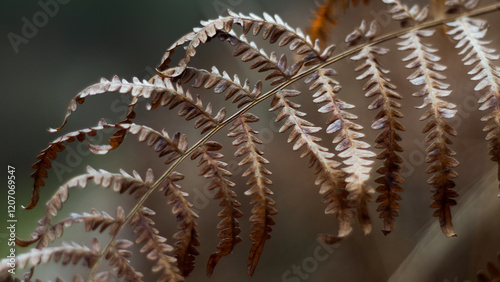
(375, 41)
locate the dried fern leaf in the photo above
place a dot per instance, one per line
(171, 147)
(67, 253)
(191, 107)
(222, 83)
(272, 28)
(214, 168)
(162, 143)
(330, 178)
(428, 75)
(136, 88)
(405, 15)
(187, 236)
(199, 36)
(155, 247)
(46, 233)
(263, 207)
(469, 34)
(250, 52)
(357, 158)
(44, 158)
(120, 183)
(493, 274)
(379, 85)
(118, 257)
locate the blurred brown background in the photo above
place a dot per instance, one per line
(86, 40)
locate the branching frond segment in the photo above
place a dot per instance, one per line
(120, 183)
(118, 257)
(136, 88)
(187, 236)
(357, 157)
(191, 107)
(67, 253)
(155, 246)
(213, 168)
(222, 83)
(469, 34)
(427, 74)
(263, 207)
(378, 85)
(330, 177)
(272, 28)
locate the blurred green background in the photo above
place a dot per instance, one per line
(87, 40)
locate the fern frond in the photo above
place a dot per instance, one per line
(494, 272)
(171, 147)
(469, 34)
(357, 157)
(427, 73)
(136, 88)
(386, 119)
(120, 183)
(273, 29)
(407, 16)
(50, 153)
(250, 52)
(199, 36)
(67, 253)
(276, 29)
(330, 178)
(222, 83)
(263, 207)
(155, 247)
(187, 236)
(46, 233)
(118, 259)
(191, 107)
(229, 226)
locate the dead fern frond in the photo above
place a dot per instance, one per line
(428, 74)
(155, 247)
(187, 236)
(274, 29)
(136, 88)
(191, 107)
(67, 253)
(263, 207)
(46, 233)
(50, 153)
(343, 180)
(171, 147)
(120, 183)
(330, 178)
(118, 258)
(213, 168)
(222, 83)
(386, 119)
(469, 34)
(357, 157)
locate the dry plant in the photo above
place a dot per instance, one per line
(342, 170)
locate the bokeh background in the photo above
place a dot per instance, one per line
(86, 40)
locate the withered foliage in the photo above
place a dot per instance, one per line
(213, 168)
(342, 164)
(379, 85)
